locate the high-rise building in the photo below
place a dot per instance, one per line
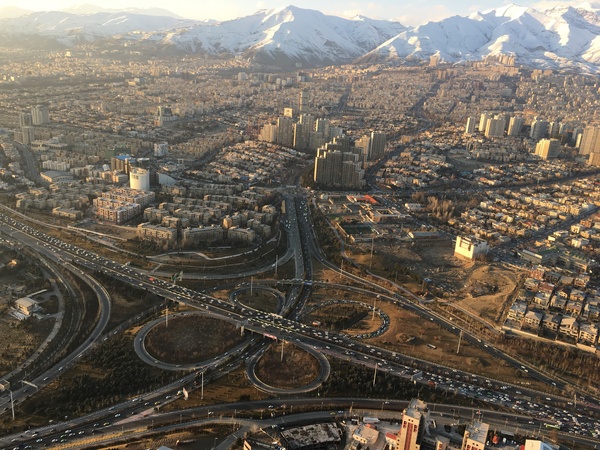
(414, 422)
(40, 115)
(594, 159)
(308, 125)
(547, 148)
(25, 119)
(300, 138)
(515, 125)
(24, 135)
(303, 102)
(470, 128)
(590, 141)
(539, 129)
(554, 129)
(338, 169)
(475, 436)
(483, 120)
(495, 127)
(323, 127)
(285, 131)
(364, 144)
(377, 149)
(268, 133)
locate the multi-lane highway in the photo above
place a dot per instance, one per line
(337, 345)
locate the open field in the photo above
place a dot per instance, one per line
(353, 318)
(298, 367)
(191, 339)
(261, 300)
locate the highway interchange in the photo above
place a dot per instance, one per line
(303, 249)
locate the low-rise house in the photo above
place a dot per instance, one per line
(569, 326)
(588, 333)
(517, 311)
(534, 319)
(552, 322)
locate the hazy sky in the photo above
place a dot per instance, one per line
(408, 12)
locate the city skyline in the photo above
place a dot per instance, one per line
(412, 13)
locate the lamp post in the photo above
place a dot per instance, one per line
(12, 404)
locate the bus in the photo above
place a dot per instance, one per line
(431, 346)
(555, 426)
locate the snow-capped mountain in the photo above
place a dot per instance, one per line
(562, 36)
(279, 36)
(286, 35)
(53, 28)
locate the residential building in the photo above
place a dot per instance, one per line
(471, 123)
(590, 140)
(338, 169)
(40, 115)
(515, 125)
(539, 129)
(547, 148)
(475, 436)
(414, 422)
(495, 127)
(377, 147)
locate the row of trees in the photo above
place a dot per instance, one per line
(115, 374)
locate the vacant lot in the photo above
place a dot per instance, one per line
(18, 340)
(298, 367)
(260, 299)
(409, 334)
(353, 318)
(190, 339)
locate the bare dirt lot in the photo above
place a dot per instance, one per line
(259, 299)
(186, 340)
(298, 367)
(409, 334)
(487, 288)
(479, 287)
(353, 318)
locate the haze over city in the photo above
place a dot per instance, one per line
(409, 13)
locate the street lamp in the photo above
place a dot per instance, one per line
(12, 404)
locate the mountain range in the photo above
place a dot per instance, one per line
(558, 37)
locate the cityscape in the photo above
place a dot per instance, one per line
(297, 231)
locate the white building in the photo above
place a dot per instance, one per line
(470, 247)
(139, 179)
